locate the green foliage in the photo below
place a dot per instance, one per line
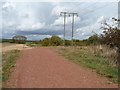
(94, 39)
(53, 41)
(46, 42)
(56, 41)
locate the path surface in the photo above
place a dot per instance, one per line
(44, 68)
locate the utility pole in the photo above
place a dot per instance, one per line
(64, 14)
(73, 14)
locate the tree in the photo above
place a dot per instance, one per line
(94, 39)
(56, 41)
(46, 42)
(19, 39)
(111, 34)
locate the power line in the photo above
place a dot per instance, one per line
(94, 10)
(85, 7)
(97, 9)
(79, 4)
(64, 14)
(73, 14)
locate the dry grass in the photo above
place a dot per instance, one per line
(102, 50)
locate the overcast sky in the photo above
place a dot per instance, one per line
(37, 20)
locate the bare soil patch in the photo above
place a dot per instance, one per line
(8, 47)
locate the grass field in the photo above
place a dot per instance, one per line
(84, 57)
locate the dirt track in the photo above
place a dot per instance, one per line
(8, 47)
(44, 68)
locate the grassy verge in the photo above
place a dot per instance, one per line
(84, 57)
(9, 60)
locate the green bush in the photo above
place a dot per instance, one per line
(46, 42)
(53, 41)
(56, 41)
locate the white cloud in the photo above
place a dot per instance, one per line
(102, 19)
(29, 21)
(27, 14)
(25, 25)
(38, 25)
(83, 34)
(56, 10)
(77, 19)
(60, 20)
(61, 36)
(89, 30)
(8, 5)
(63, 0)
(9, 23)
(30, 26)
(63, 8)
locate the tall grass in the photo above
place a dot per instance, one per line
(111, 54)
(93, 57)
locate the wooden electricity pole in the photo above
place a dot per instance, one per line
(73, 14)
(64, 14)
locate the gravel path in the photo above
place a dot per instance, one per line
(44, 68)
